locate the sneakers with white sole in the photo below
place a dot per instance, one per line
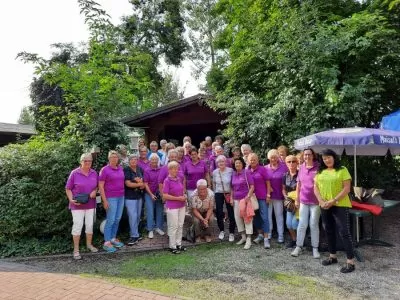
(296, 252)
(258, 239)
(267, 244)
(221, 235)
(248, 244)
(151, 234)
(315, 253)
(242, 240)
(159, 231)
(231, 237)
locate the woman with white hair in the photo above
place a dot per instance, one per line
(187, 146)
(173, 194)
(202, 202)
(246, 150)
(276, 170)
(222, 177)
(172, 156)
(112, 191)
(81, 191)
(153, 202)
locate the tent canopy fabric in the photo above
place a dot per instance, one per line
(392, 121)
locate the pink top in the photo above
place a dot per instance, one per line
(173, 187)
(164, 173)
(260, 176)
(79, 183)
(306, 179)
(114, 181)
(143, 164)
(151, 178)
(194, 172)
(275, 177)
(239, 184)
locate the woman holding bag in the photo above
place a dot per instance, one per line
(222, 177)
(242, 190)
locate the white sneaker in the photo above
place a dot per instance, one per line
(267, 244)
(151, 234)
(242, 241)
(315, 253)
(248, 244)
(159, 231)
(231, 237)
(258, 239)
(221, 235)
(296, 252)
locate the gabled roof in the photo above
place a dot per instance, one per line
(199, 98)
(17, 128)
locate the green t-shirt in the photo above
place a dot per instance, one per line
(330, 183)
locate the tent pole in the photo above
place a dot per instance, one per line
(355, 165)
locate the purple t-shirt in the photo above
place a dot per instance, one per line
(164, 173)
(186, 158)
(79, 183)
(239, 184)
(260, 177)
(306, 179)
(275, 177)
(143, 164)
(194, 172)
(114, 181)
(173, 187)
(151, 178)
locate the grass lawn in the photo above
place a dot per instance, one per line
(223, 271)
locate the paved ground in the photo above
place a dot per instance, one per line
(19, 281)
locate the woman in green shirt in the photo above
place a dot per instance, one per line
(331, 187)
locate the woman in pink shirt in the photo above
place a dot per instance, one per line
(194, 169)
(175, 203)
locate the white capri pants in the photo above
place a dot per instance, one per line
(175, 220)
(241, 225)
(78, 217)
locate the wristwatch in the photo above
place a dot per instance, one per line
(336, 200)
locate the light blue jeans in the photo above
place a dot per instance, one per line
(152, 207)
(309, 215)
(261, 218)
(114, 214)
(291, 221)
(134, 209)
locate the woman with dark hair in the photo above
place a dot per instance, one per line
(242, 190)
(332, 187)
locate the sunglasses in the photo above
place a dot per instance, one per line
(291, 161)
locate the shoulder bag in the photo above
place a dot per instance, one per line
(227, 196)
(253, 198)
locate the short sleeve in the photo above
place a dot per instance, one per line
(344, 174)
(284, 179)
(166, 186)
(103, 174)
(70, 182)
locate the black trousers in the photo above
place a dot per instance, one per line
(219, 203)
(337, 219)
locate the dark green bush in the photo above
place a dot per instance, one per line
(32, 194)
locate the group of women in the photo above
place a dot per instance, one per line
(186, 180)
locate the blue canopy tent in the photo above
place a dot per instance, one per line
(392, 121)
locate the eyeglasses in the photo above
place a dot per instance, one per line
(87, 161)
(291, 161)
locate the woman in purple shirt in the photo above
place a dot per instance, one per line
(82, 180)
(276, 170)
(152, 198)
(242, 190)
(112, 191)
(172, 156)
(194, 169)
(309, 205)
(261, 189)
(175, 202)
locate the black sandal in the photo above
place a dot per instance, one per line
(174, 251)
(181, 248)
(348, 268)
(329, 261)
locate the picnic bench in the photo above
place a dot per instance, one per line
(374, 239)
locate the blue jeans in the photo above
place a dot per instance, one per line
(261, 221)
(114, 214)
(134, 209)
(291, 221)
(152, 206)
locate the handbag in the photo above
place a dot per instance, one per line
(227, 196)
(82, 198)
(288, 204)
(253, 198)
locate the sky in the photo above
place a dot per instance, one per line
(32, 26)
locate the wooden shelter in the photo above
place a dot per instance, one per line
(11, 133)
(190, 116)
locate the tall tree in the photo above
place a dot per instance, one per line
(26, 116)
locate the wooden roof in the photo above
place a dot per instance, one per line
(8, 128)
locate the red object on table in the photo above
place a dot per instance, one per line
(373, 209)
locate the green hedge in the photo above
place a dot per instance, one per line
(32, 193)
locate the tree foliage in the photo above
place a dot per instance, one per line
(26, 116)
(299, 67)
